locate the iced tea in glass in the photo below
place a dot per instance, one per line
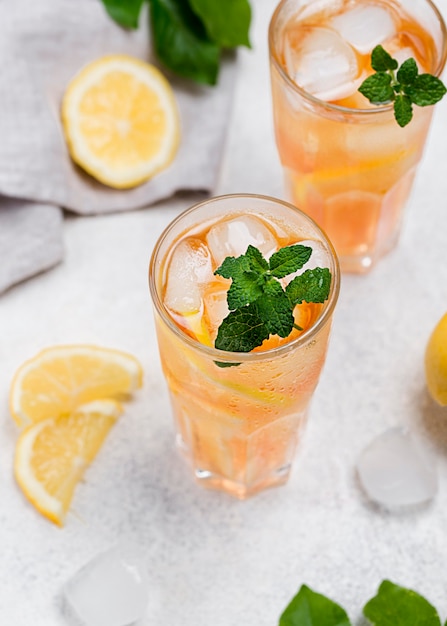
(347, 163)
(238, 415)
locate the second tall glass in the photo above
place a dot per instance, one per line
(347, 163)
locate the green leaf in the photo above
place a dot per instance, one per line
(256, 260)
(233, 266)
(227, 22)
(403, 110)
(382, 61)
(181, 42)
(397, 606)
(245, 289)
(310, 286)
(407, 72)
(124, 13)
(426, 90)
(309, 608)
(241, 330)
(259, 305)
(289, 260)
(377, 88)
(275, 310)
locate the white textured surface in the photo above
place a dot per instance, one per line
(213, 560)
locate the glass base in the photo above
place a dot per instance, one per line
(241, 491)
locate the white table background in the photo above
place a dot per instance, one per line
(212, 559)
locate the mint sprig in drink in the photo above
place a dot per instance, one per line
(347, 163)
(244, 289)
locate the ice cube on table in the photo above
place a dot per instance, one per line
(323, 64)
(396, 471)
(232, 238)
(189, 269)
(111, 590)
(365, 27)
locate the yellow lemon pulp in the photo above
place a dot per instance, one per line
(59, 379)
(436, 362)
(120, 120)
(52, 455)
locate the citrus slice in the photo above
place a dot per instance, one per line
(120, 120)
(52, 455)
(436, 362)
(59, 379)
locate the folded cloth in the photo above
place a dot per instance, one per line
(42, 46)
(30, 239)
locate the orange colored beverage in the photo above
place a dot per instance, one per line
(347, 163)
(238, 415)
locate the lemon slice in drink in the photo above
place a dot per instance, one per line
(52, 455)
(120, 120)
(59, 379)
(436, 362)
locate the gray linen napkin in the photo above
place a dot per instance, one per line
(43, 44)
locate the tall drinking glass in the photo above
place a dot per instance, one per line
(346, 162)
(238, 415)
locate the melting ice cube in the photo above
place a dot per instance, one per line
(111, 590)
(395, 471)
(323, 64)
(232, 238)
(216, 308)
(189, 268)
(365, 27)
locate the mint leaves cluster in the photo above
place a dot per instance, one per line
(392, 606)
(188, 36)
(404, 87)
(259, 305)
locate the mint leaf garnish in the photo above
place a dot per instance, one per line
(404, 87)
(309, 608)
(242, 330)
(310, 286)
(124, 13)
(259, 305)
(397, 606)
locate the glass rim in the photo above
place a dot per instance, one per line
(241, 357)
(337, 108)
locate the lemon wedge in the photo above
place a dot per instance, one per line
(52, 455)
(120, 120)
(59, 379)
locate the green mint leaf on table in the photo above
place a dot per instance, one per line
(397, 606)
(259, 305)
(125, 13)
(309, 608)
(227, 22)
(404, 87)
(181, 42)
(188, 36)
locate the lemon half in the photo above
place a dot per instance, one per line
(436, 362)
(120, 120)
